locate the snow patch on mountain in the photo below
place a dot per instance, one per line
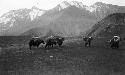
(66, 4)
(97, 7)
(34, 13)
(8, 24)
(12, 22)
(7, 20)
(4, 20)
(91, 9)
(77, 4)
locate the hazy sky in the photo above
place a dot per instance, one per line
(6, 5)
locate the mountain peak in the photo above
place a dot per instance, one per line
(66, 4)
(36, 8)
(99, 4)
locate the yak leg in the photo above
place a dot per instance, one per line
(30, 47)
(86, 44)
(60, 44)
(117, 45)
(46, 45)
(52, 45)
(89, 43)
(37, 46)
(113, 45)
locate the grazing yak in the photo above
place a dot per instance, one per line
(87, 41)
(50, 41)
(59, 40)
(35, 41)
(114, 42)
(54, 40)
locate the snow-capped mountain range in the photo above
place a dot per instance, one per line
(7, 20)
(11, 21)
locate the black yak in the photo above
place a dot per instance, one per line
(87, 41)
(54, 40)
(60, 40)
(35, 41)
(114, 42)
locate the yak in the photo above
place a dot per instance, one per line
(87, 41)
(60, 41)
(54, 40)
(114, 42)
(36, 41)
(50, 42)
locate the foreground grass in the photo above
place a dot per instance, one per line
(71, 59)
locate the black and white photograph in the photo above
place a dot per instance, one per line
(62, 37)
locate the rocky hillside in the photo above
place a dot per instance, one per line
(113, 24)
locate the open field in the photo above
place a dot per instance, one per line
(70, 59)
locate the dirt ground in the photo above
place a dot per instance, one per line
(70, 59)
